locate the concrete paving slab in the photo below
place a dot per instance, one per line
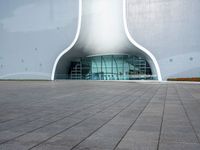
(97, 115)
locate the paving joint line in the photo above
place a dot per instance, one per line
(134, 121)
(77, 123)
(29, 114)
(58, 120)
(191, 95)
(186, 113)
(60, 113)
(163, 113)
(103, 124)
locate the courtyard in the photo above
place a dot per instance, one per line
(99, 115)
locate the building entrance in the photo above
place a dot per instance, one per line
(110, 67)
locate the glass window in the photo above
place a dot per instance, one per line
(111, 67)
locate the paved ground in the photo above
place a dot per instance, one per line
(89, 115)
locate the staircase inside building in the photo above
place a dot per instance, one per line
(110, 67)
(76, 70)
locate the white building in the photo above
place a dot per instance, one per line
(99, 39)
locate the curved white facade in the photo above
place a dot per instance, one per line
(34, 33)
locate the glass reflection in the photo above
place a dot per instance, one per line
(111, 67)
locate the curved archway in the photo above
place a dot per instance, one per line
(79, 44)
(71, 45)
(138, 45)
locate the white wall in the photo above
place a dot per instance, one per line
(34, 32)
(170, 29)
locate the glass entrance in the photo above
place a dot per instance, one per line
(111, 67)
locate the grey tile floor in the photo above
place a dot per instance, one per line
(95, 115)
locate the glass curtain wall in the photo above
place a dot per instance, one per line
(112, 67)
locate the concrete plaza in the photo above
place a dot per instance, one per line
(97, 115)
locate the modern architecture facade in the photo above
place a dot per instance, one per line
(99, 40)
